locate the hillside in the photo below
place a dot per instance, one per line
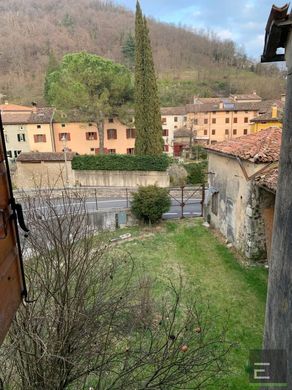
(32, 31)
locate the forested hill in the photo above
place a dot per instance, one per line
(32, 31)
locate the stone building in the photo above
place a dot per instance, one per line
(240, 203)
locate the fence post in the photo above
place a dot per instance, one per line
(95, 194)
(203, 200)
(182, 202)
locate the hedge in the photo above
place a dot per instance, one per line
(120, 162)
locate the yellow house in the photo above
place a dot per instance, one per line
(40, 130)
(272, 118)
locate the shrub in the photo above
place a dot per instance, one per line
(196, 172)
(120, 162)
(178, 175)
(149, 203)
(199, 152)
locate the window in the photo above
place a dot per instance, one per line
(89, 124)
(166, 148)
(234, 131)
(39, 138)
(112, 151)
(185, 118)
(205, 132)
(9, 153)
(245, 120)
(110, 120)
(215, 198)
(213, 120)
(195, 121)
(235, 112)
(39, 126)
(175, 127)
(63, 125)
(130, 151)
(21, 137)
(131, 133)
(92, 149)
(6, 138)
(112, 134)
(175, 119)
(165, 132)
(226, 120)
(91, 135)
(64, 137)
(213, 142)
(245, 131)
(205, 121)
(226, 131)
(227, 112)
(234, 120)
(163, 121)
(213, 132)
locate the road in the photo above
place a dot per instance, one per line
(192, 207)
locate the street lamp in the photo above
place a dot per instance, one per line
(64, 141)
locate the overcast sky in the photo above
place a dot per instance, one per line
(243, 21)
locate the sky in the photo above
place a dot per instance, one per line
(242, 21)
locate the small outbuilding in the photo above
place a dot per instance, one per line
(242, 175)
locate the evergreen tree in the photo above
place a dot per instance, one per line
(128, 51)
(149, 139)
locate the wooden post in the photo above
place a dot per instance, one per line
(278, 324)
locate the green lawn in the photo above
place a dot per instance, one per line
(235, 291)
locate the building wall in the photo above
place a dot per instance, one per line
(256, 127)
(44, 129)
(13, 144)
(172, 123)
(42, 174)
(220, 130)
(239, 215)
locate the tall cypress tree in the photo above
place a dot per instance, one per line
(149, 139)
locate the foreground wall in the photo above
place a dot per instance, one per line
(121, 178)
(234, 208)
(53, 174)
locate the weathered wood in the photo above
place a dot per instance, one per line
(278, 325)
(10, 272)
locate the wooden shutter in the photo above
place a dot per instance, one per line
(87, 136)
(44, 138)
(12, 287)
(35, 138)
(68, 137)
(95, 136)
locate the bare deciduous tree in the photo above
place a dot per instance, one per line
(94, 320)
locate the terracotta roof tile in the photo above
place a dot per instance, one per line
(49, 156)
(39, 115)
(269, 180)
(261, 147)
(14, 107)
(173, 110)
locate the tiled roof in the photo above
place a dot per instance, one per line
(183, 132)
(211, 100)
(39, 115)
(267, 117)
(269, 180)
(251, 96)
(14, 107)
(233, 106)
(261, 147)
(173, 110)
(49, 156)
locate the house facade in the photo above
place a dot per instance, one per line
(238, 205)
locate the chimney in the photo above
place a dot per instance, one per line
(221, 105)
(283, 98)
(254, 92)
(274, 111)
(6, 102)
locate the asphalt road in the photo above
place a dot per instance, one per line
(192, 207)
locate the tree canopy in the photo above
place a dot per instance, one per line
(93, 86)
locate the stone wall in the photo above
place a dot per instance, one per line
(239, 216)
(121, 178)
(53, 174)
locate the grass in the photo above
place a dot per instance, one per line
(236, 291)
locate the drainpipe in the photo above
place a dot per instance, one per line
(278, 324)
